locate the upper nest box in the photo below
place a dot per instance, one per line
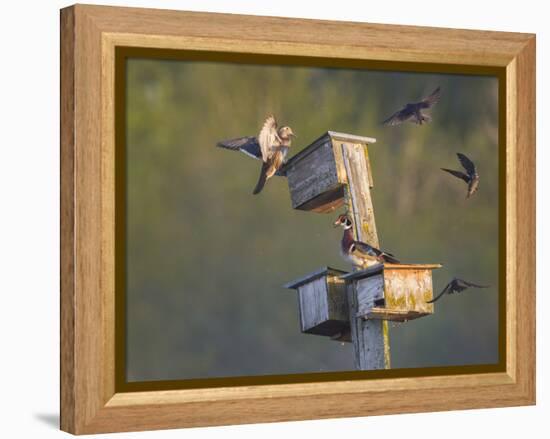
(317, 175)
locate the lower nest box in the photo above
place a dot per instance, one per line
(323, 303)
(397, 292)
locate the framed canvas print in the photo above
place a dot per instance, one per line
(268, 219)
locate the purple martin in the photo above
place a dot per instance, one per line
(413, 112)
(456, 286)
(471, 177)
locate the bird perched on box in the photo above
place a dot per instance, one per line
(414, 112)
(456, 286)
(471, 177)
(357, 252)
(271, 146)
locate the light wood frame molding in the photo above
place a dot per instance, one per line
(89, 35)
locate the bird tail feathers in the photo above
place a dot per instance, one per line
(261, 181)
(386, 257)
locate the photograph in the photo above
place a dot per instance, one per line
(280, 217)
(267, 219)
(274, 219)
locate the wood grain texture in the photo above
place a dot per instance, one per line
(369, 290)
(311, 173)
(337, 300)
(89, 340)
(163, 28)
(323, 307)
(370, 338)
(358, 192)
(397, 292)
(67, 250)
(90, 327)
(313, 304)
(408, 291)
(322, 303)
(317, 174)
(88, 398)
(108, 261)
(522, 145)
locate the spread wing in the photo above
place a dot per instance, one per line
(399, 117)
(467, 163)
(470, 284)
(268, 138)
(432, 99)
(458, 174)
(248, 145)
(445, 290)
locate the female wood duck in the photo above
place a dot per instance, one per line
(275, 143)
(357, 252)
(271, 146)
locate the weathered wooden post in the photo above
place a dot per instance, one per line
(334, 171)
(384, 292)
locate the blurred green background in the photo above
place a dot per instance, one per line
(206, 260)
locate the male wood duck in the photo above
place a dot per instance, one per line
(414, 112)
(471, 177)
(271, 146)
(456, 285)
(357, 252)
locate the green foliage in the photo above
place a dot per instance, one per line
(206, 259)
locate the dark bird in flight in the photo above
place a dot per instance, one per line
(271, 146)
(357, 252)
(456, 286)
(471, 177)
(413, 112)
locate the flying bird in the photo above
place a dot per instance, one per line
(271, 146)
(413, 112)
(357, 252)
(456, 286)
(471, 177)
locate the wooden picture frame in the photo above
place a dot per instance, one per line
(90, 399)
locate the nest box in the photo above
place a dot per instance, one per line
(397, 292)
(318, 174)
(322, 301)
